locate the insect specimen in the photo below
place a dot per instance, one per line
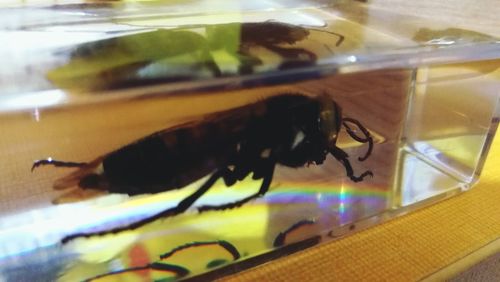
(291, 130)
(183, 53)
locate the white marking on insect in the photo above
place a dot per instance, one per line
(298, 138)
(99, 169)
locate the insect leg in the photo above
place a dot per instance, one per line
(224, 244)
(342, 156)
(266, 171)
(55, 163)
(280, 239)
(340, 36)
(368, 138)
(292, 53)
(180, 208)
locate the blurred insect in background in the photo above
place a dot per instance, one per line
(176, 263)
(183, 53)
(291, 130)
(270, 35)
(164, 268)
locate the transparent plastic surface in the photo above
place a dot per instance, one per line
(337, 118)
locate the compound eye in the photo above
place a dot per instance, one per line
(327, 123)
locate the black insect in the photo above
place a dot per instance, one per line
(290, 130)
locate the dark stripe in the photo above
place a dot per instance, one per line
(226, 245)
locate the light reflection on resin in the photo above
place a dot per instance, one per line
(95, 84)
(249, 229)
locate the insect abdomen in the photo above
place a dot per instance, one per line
(170, 159)
(139, 166)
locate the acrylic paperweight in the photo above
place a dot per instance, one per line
(163, 140)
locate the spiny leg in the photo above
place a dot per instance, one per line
(266, 171)
(56, 163)
(368, 138)
(342, 156)
(180, 208)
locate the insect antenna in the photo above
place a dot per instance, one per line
(367, 139)
(340, 36)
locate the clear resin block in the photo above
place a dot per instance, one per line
(160, 140)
